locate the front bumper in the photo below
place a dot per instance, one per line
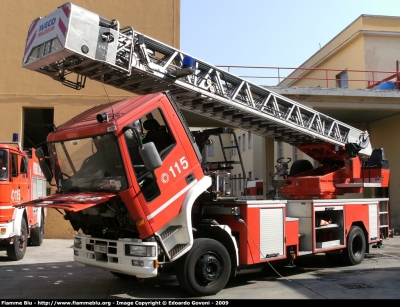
(112, 255)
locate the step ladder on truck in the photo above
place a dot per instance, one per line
(133, 183)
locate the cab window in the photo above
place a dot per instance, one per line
(151, 128)
(23, 167)
(14, 165)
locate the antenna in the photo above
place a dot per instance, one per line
(108, 97)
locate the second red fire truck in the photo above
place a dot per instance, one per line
(21, 180)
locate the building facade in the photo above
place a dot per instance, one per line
(364, 53)
(29, 101)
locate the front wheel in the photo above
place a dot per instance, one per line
(355, 251)
(205, 269)
(17, 250)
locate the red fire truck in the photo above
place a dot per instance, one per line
(254, 190)
(134, 185)
(20, 180)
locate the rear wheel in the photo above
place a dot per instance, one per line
(37, 233)
(355, 251)
(205, 269)
(17, 250)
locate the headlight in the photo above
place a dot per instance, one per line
(77, 243)
(138, 263)
(140, 250)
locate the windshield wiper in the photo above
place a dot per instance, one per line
(71, 189)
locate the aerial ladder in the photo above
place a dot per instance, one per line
(61, 46)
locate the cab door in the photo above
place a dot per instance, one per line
(19, 183)
(161, 191)
(15, 182)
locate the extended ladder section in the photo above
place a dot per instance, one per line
(72, 40)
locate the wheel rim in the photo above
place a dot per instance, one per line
(208, 268)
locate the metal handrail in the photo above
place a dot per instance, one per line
(371, 82)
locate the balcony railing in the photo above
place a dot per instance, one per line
(324, 77)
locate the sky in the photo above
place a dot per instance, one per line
(279, 33)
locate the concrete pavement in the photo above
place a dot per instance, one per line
(49, 272)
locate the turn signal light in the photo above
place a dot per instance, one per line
(140, 222)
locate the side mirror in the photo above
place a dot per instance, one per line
(150, 156)
(43, 165)
(39, 153)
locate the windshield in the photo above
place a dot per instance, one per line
(89, 164)
(3, 165)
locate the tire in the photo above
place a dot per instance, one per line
(300, 166)
(356, 244)
(17, 250)
(205, 269)
(123, 276)
(37, 233)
